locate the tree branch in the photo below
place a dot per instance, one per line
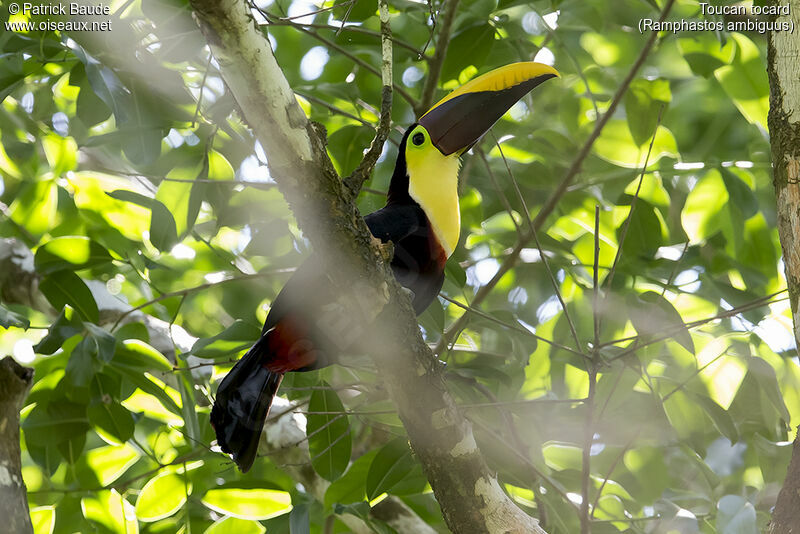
(436, 63)
(15, 382)
(784, 130)
(469, 495)
(354, 182)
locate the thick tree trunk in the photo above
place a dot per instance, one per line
(468, 493)
(15, 382)
(784, 128)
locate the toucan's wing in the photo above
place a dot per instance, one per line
(395, 221)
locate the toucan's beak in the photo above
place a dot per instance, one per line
(461, 118)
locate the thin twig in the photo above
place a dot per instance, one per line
(354, 182)
(509, 326)
(532, 230)
(611, 470)
(591, 369)
(503, 199)
(354, 29)
(437, 61)
(202, 88)
(361, 63)
(201, 287)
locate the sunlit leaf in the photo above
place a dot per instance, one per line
(162, 496)
(253, 504)
(617, 145)
(234, 525)
(745, 81)
(74, 253)
(43, 519)
(111, 510)
(111, 462)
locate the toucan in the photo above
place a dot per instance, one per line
(422, 221)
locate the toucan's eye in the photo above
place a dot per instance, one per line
(418, 138)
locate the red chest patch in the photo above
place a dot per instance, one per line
(289, 346)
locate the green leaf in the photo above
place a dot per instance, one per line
(720, 417)
(328, 430)
(768, 384)
(137, 355)
(736, 516)
(111, 462)
(234, 525)
(82, 364)
(55, 423)
(161, 497)
(10, 319)
(89, 107)
(36, 206)
(188, 403)
(105, 84)
(252, 503)
(137, 378)
(299, 520)
(163, 231)
(349, 488)
(562, 456)
(705, 53)
(66, 325)
(473, 45)
(72, 253)
(65, 287)
(43, 519)
(644, 235)
(643, 103)
(653, 316)
(740, 193)
(111, 510)
(105, 343)
(616, 145)
(112, 419)
(745, 81)
(238, 336)
(176, 195)
(347, 144)
(702, 213)
(391, 465)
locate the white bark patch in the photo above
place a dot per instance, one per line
(500, 514)
(787, 67)
(465, 446)
(6, 478)
(18, 253)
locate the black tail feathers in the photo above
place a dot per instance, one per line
(242, 404)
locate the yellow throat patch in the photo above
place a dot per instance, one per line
(433, 184)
